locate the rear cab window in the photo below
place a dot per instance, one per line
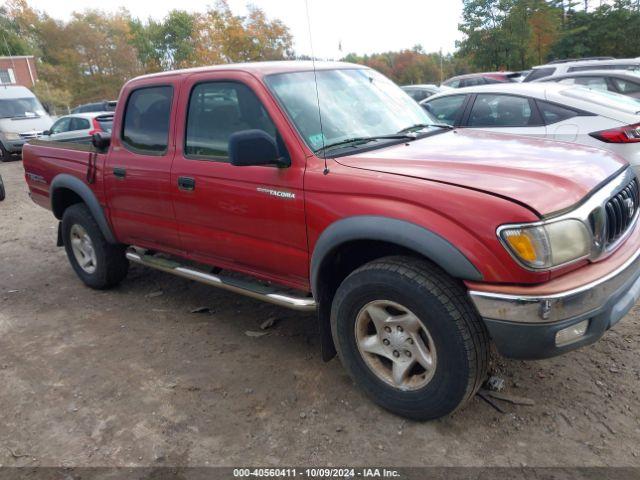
(145, 128)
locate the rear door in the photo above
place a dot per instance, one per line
(138, 168)
(248, 218)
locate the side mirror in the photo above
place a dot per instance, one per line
(46, 132)
(101, 141)
(253, 148)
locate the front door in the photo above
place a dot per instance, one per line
(138, 168)
(248, 218)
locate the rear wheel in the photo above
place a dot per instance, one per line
(408, 336)
(98, 263)
(2, 192)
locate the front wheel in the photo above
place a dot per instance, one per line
(408, 336)
(4, 155)
(98, 263)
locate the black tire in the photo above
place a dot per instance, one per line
(111, 265)
(2, 192)
(4, 155)
(441, 304)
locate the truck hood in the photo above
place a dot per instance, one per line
(25, 125)
(546, 176)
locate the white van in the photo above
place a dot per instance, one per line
(22, 117)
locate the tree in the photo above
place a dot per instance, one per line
(545, 31)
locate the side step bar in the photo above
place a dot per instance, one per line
(243, 287)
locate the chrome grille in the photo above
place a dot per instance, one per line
(621, 210)
(30, 135)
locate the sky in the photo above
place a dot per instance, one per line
(358, 26)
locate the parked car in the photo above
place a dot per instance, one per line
(560, 67)
(486, 78)
(547, 110)
(420, 92)
(22, 117)
(79, 127)
(417, 245)
(616, 81)
(103, 106)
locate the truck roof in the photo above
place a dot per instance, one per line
(14, 91)
(259, 69)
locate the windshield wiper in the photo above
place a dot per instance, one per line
(398, 136)
(420, 126)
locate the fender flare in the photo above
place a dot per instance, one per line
(88, 197)
(391, 230)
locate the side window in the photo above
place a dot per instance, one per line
(472, 82)
(537, 73)
(552, 113)
(626, 87)
(418, 95)
(61, 125)
(491, 110)
(594, 83)
(216, 111)
(446, 109)
(567, 81)
(146, 120)
(78, 124)
(452, 83)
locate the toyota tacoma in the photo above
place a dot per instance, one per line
(325, 187)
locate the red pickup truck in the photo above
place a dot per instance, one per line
(326, 188)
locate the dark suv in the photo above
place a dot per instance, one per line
(103, 106)
(473, 79)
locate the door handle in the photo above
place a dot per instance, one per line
(119, 172)
(186, 183)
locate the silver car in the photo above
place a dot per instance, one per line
(625, 82)
(79, 127)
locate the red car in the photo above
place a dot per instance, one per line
(325, 186)
(485, 78)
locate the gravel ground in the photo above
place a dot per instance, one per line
(132, 377)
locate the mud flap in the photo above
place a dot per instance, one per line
(327, 348)
(59, 242)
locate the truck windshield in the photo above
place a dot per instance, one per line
(354, 104)
(28, 107)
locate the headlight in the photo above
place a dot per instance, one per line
(547, 245)
(11, 136)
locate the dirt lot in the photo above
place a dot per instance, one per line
(132, 377)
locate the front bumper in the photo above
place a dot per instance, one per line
(14, 146)
(525, 326)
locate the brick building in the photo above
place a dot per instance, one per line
(18, 70)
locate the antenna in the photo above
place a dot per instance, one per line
(315, 78)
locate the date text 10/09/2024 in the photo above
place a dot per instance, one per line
(316, 472)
